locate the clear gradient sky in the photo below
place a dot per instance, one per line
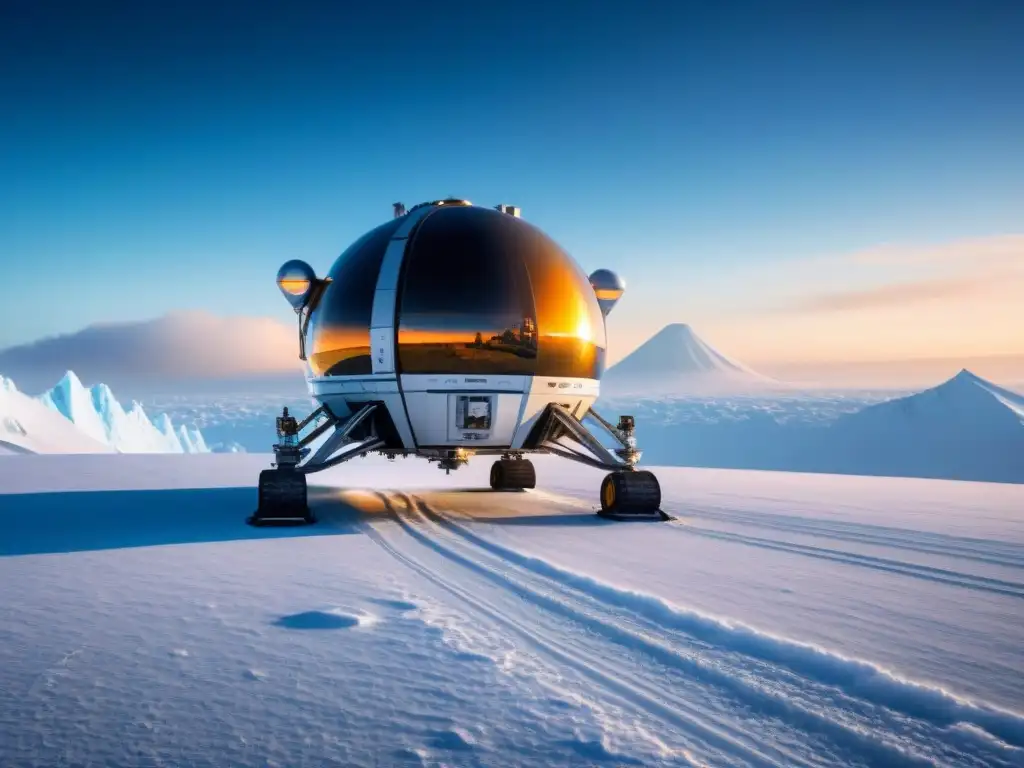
(799, 181)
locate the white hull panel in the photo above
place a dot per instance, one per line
(439, 412)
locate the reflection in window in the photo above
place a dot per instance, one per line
(570, 326)
(487, 293)
(465, 306)
(340, 327)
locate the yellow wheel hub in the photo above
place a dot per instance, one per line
(609, 494)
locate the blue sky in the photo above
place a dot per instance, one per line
(159, 158)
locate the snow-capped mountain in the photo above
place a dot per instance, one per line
(961, 407)
(966, 428)
(29, 426)
(87, 420)
(677, 360)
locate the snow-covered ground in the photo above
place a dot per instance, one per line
(781, 619)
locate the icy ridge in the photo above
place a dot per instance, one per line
(99, 414)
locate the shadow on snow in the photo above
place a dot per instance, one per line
(79, 521)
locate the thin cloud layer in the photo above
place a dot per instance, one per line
(899, 294)
(959, 300)
(178, 346)
(899, 276)
(997, 250)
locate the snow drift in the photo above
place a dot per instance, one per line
(677, 360)
(70, 418)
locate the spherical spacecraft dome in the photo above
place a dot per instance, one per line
(466, 290)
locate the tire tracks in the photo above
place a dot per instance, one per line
(629, 696)
(926, 572)
(861, 681)
(574, 606)
(979, 550)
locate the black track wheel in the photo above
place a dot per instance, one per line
(513, 475)
(631, 495)
(282, 499)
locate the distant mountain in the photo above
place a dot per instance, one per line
(29, 426)
(677, 360)
(70, 418)
(966, 428)
(960, 407)
(98, 414)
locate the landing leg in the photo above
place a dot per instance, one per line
(282, 490)
(513, 475)
(282, 499)
(631, 495)
(627, 493)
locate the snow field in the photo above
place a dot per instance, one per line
(425, 623)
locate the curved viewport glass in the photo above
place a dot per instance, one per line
(339, 331)
(484, 293)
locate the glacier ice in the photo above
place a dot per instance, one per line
(99, 414)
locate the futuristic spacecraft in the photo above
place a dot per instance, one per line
(450, 331)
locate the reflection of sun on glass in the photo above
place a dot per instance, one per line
(294, 285)
(583, 329)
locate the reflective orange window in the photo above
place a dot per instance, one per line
(339, 333)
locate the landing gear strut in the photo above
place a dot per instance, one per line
(282, 491)
(630, 496)
(513, 474)
(627, 493)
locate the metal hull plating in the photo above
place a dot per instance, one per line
(430, 413)
(442, 411)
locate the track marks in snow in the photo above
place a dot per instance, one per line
(720, 689)
(629, 694)
(928, 573)
(986, 551)
(866, 711)
(857, 678)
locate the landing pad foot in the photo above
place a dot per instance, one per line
(631, 495)
(513, 475)
(282, 499)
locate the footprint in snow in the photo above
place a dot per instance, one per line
(453, 739)
(398, 605)
(322, 620)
